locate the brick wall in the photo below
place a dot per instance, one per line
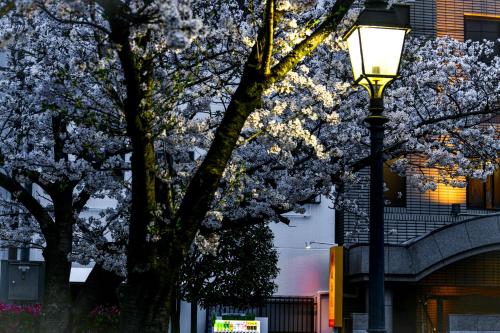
(450, 14)
(423, 18)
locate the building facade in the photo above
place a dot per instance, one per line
(303, 249)
(442, 252)
(300, 302)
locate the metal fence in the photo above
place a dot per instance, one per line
(285, 314)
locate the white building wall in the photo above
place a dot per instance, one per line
(304, 272)
(186, 319)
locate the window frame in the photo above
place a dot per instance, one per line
(481, 19)
(484, 205)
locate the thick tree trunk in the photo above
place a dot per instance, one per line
(56, 304)
(151, 271)
(146, 299)
(147, 303)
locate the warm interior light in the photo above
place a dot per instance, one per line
(375, 54)
(447, 195)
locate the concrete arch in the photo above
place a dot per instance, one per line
(424, 255)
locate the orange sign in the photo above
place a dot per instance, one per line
(336, 290)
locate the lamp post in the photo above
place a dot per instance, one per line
(308, 244)
(375, 45)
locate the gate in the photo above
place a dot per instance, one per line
(285, 314)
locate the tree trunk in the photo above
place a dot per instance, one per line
(56, 304)
(151, 275)
(146, 303)
(194, 316)
(146, 299)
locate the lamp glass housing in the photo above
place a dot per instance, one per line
(375, 54)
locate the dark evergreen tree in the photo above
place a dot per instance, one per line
(240, 272)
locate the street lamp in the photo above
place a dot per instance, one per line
(375, 45)
(308, 244)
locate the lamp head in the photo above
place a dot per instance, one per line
(375, 45)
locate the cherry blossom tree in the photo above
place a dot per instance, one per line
(145, 36)
(54, 158)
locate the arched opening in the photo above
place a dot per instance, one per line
(457, 297)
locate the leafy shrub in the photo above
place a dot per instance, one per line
(24, 319)
(19, 318)
(102, 319)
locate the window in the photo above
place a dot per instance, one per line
(484, 195)
(395, 196)
(479, 28)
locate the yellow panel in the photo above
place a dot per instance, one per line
(336, 290)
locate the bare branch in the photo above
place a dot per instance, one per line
(268, 38)
(29, 202)
(73, 22)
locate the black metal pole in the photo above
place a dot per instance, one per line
(439, 311)
(376, 291)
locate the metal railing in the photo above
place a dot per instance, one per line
(285, 314)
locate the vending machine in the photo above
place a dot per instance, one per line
(236, 326)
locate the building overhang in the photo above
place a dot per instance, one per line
(414, 260)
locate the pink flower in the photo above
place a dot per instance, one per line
(32, 309)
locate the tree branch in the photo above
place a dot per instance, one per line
(485, 111)
(7, 8)
(268, 38)
(309, 44)
(64, 21)
(229, 224)
(29, 202)
(81, 200)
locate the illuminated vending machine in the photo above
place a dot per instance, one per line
(236, 325)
